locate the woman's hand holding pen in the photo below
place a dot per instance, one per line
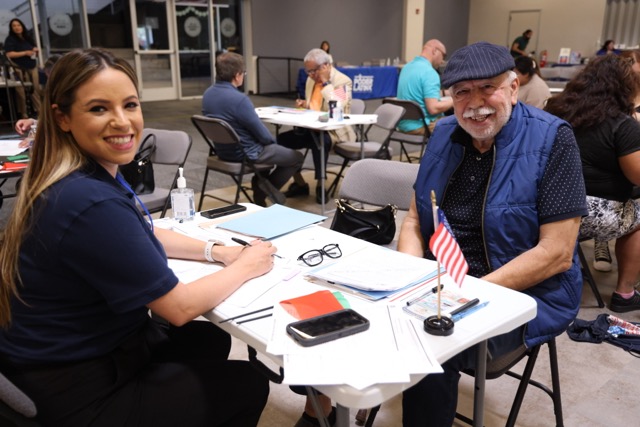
(256, 258)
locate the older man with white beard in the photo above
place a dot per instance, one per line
(509, 180)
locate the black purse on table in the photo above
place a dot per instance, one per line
(373, 225)
(139, 173)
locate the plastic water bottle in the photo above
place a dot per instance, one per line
(182, 200)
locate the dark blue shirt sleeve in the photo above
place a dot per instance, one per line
(112, 249)
(562, 192)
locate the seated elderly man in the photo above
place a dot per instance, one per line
(514, 198)
(324, 84)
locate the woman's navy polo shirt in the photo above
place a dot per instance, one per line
(89, 265)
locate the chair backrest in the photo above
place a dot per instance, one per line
(379, 182)
(388, 117)
(172, 146)
(215, 131)
(358, 106)
(412, 108)
(13, 397)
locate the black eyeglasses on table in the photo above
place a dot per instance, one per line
(316, 256)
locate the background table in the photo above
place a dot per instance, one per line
(368, 82)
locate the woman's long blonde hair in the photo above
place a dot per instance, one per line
(55, 154)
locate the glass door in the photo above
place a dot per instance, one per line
(194, 52)
(154, 52)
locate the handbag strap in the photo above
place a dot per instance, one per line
(144, 151)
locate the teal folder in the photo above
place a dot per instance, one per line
(271, 222)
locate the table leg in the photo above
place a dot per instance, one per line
(480, 378)
(319, 140)
(313, 395)
(342, 416)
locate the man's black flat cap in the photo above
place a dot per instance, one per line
(477, 61)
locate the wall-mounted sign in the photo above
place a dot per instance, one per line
(61, 24)
(192, 26)
(228, 27)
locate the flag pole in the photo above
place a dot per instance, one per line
(437, 325)
(434, 209)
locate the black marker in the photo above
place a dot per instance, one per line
(469, 304)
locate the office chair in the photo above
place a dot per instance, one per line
(388, 117)
(413, 111)
(217, 131)
(172, 149)
(503, 364)
(357, 106)
(16, 408)
(380, 182)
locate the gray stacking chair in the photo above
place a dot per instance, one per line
(172, 149)
(412, 112)
(377, 141)
(16, 408)
(217, 131)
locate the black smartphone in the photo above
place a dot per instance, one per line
(226, 210)
(328, 327)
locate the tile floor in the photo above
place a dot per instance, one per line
(600, 383)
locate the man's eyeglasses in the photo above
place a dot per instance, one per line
(315, 70)
(461, 94)
(316, 256)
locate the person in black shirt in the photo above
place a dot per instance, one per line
(21, 50)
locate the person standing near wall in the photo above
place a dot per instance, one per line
(519, 45)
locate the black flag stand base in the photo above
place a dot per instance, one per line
(441, 326)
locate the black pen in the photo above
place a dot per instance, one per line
(465, 306)
(254, 318)
(243, 243)
(429, 292)
(246, 314)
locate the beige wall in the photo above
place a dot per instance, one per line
(563, 23)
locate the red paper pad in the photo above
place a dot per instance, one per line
(10, 166)
(315, 304)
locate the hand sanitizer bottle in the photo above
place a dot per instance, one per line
(182, 203)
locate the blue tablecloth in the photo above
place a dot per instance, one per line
(368, 82)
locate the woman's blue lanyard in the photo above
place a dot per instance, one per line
(126, 185)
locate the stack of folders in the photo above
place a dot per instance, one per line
(375, 272)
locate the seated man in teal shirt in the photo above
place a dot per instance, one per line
(420, 82)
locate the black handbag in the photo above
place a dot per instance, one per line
(139, 173)
(373, 225)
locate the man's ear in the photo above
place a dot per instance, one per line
(61, 119)
(515, 86)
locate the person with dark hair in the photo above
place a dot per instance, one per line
(508, 178)
(224, 101)
(519, 45)
(608, 47)
(599, 104)
(533, 90)
(80, 269)
(327, 48)
(21, 50)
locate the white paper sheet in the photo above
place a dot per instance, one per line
(9, 147)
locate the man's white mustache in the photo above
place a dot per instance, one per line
(482, 111)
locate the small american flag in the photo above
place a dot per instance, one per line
(340, 93)
(447, 251)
